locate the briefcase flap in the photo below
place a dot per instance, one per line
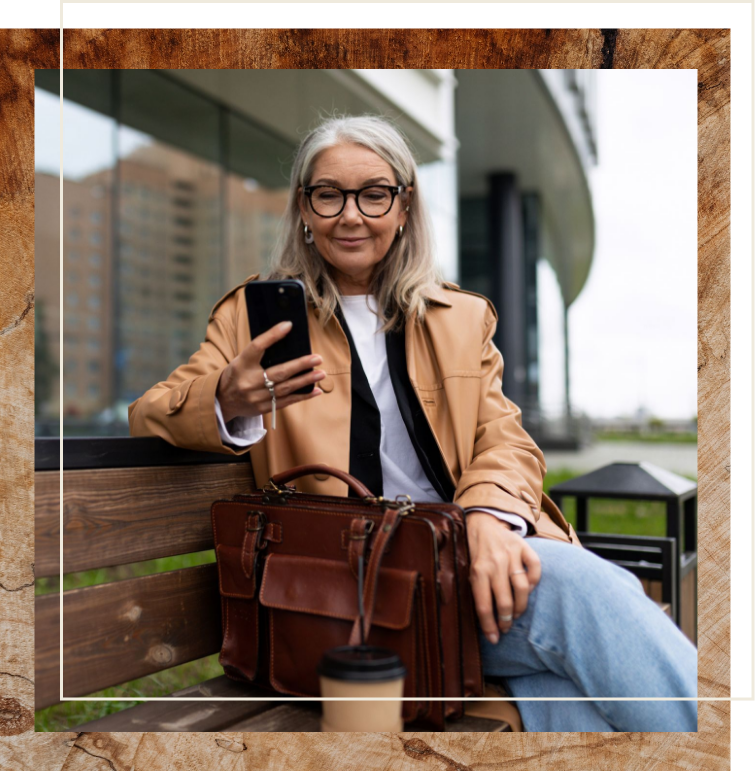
(328, 588)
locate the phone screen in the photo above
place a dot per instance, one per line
(271, 302)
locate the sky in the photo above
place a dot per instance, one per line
(633, 329)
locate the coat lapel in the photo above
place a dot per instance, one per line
(417, 427)
(427, 382)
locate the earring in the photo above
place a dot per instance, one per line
(308, 235)
(400, 231)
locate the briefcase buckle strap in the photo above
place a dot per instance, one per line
(391, 520)
(276, 493)
(359, 532)
(402, 502)
(254, 543)
(361, 529)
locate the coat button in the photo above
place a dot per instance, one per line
(326, 384)
(321, 477)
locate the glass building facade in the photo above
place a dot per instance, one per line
(174, 183)
(169, 199)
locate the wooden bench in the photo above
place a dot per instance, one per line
(129, 500)
(125, 501)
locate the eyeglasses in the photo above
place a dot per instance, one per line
(372, 201)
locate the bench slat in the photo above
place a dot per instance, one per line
(46, 650)
(208, 715)
(116, 516)
(202, 715)
(46, 524)
(300, 713)
(127, 629)
(306, 717)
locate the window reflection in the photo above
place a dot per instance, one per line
(88, 178)
(169, 258)
(155, 229)
(47, 249)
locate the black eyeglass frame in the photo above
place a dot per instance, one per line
(393, 189)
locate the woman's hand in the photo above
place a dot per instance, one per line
(241, 388)
(497, 556)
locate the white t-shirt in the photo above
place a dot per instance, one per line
(402, 470)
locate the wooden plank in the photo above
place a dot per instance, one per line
(208, 715)
(46, 650)
(305, 716)
(202, 715)
(223, 687)
(46, 524)
(127, 629)
(283, 717)
(117, 516)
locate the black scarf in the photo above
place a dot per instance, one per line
(364, 452)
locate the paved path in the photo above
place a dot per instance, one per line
(681, 458)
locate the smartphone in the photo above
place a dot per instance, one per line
(269, 303)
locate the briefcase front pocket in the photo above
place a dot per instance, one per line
(312, 605)
(239, 653)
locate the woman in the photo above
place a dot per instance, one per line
(408, 398)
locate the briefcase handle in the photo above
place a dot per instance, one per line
(282, 477)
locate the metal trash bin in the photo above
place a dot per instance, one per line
(647, 482)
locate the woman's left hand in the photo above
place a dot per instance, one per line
(504, 568)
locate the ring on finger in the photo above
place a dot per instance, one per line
(515, 572)
(271, 388)
(505, 618)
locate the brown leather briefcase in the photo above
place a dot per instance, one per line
(287, 564)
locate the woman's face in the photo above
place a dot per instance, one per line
(352, 243)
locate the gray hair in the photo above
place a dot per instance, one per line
(408, 270)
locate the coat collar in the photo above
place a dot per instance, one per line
(438, 295)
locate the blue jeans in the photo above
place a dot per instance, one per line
(590, 631)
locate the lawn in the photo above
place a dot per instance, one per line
(606, 516)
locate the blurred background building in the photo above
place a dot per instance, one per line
(175, 181)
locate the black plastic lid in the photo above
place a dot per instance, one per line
(361, 663)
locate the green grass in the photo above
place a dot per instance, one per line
(606, 516)
(66, 715)
(69, 714)
(134, 570)
(665, 437)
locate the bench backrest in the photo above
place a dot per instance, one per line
(117, 515)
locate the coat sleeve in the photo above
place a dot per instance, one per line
(181, 409)
(507, 467)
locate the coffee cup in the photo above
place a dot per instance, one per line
(361, 671)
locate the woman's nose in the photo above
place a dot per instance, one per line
(351, 211)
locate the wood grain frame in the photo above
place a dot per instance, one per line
(24, 50)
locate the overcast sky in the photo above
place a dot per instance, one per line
(633, 330)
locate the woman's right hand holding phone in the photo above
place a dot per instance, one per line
(241, 388)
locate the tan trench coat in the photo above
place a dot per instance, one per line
(456, 372)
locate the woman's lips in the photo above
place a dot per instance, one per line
(350, 241)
